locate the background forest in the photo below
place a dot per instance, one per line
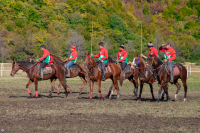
(26, 24)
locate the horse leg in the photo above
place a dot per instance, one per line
(185, 88)
(59, 85)
(151, 88)
(111, 87)
(52, 87)
(178, 89)
(99, 86)
(135, 85)
(84, 83)
(163, 95)
(141, 88)
(167, 94)
(36, 88)
(91, 88)
(29, 83)
(116, 87)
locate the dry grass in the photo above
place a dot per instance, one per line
(79, 114)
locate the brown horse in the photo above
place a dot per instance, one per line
(74, 73)
(163, 76)
(132, 74)
(145, 75)
(94, 74)
(33, 73)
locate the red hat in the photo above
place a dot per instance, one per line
(73, 47)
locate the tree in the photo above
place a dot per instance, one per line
(77, 40)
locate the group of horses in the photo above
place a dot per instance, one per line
(89, 71)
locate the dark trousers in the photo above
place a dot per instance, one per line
(171, 71)
(102, 66)
(123, 65)
(42, 66)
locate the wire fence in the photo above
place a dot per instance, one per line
(5, 69)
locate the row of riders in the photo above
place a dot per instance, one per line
(106, 68)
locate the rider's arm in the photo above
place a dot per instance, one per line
(125, 55)
(106, 55)
(44, 56)
(117, 56)
(173, 56)
(74, 55)
(96, 56)
(162, 49)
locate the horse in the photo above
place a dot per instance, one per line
(163, 76)
(73, 73)
(33, 73)
(145, 75)
(128, 76)
(94, 74)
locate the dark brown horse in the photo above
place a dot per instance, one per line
(33, 73)
(74, 73)
(128, 76)
(163, 76)
(94, 74)
(145, 75)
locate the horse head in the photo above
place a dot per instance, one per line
(15, 68)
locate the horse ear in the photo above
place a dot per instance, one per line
(88, 53)
(13, 62)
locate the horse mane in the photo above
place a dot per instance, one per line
(56, 59)
(110, 60)
(142, 60)
(25, 63)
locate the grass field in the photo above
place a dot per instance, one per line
(77, 113)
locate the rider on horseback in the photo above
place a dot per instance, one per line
(103, 57)
(152, 51)
(122, 58)
(72, 59)
(170, 55)
(45, 59)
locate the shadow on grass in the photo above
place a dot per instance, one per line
(39, 96)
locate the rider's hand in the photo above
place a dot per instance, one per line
(37, 60)
(163, 45)
(165, 60)
(91, 55)
(141, 55)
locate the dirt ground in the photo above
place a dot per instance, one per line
(76, 113)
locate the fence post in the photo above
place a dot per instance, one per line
(190, 70)
(1, 69)
(187, 71)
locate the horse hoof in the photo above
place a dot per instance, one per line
(138, 100)
(162, 98)
(110, 98)
(79, 93)
(66, 94)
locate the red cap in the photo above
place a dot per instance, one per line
(73, 47)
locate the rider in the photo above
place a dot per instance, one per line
(122, 58)
(152, 51)
(72, 59)
(103, 57)
(45, 59)
(170, 56)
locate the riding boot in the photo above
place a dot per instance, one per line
(171, 77)
(68, 72)
(41, 74)
(103, 75)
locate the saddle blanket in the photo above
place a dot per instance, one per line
(127, 69)
(176, 71)
(108, 70)
(47, 70)
(74, 67)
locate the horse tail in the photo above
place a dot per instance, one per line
(121, 78)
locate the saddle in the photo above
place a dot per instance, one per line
(74, 67)
(127, 69)
(175, 70)
(46, 70)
